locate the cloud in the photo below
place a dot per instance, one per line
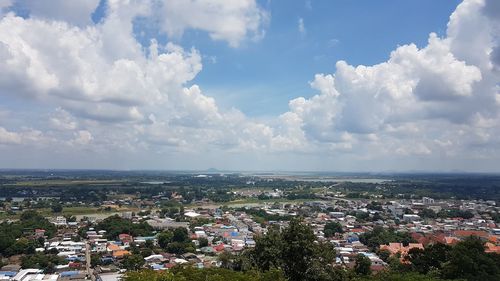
(301, 27)
(101, 92)
(7, 137)
(438, 92)
(71, 67)
(101, 88)
(231, 21)
(82, 138)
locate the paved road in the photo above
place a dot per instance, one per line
(87, 258)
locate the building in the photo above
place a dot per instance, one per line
(427, 200)
(411, 218)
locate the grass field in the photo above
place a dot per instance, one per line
(64, 182)
(70, 211)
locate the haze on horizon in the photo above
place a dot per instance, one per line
(250, 85)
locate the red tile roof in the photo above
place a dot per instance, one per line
(467, 233)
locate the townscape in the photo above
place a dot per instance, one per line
(250, 140)
(214, 221)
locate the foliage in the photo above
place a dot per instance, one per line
(221, 195)
(116, 225)
(455, 213)
(398, 276)
(210, 274)
(198, 222)
(56, 207)
(267, 253)
(29, 221)
(263, 216)
(427, 213)
(363, 264)
(374, 205)
(431, 258)
(469, 261)
(384, 255)
(176, 241)
(380, 236)
(43, 261)
(180, 235)
(165, 238)
(331, 228)
(203, 242)
(22, 246)
(295, 251)
(132, 262)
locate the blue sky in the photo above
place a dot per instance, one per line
(359, 32)
(249, 84)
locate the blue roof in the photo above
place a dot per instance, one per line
(69, 273)
(145, 238)
(8, 273)
(157, 266)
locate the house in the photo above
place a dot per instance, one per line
(126, 239)
(411, 217)
(492, 248)
(120, 254)
(39, 233)
(395, 248)
(154, 259)
(466, 233)
(60, 220)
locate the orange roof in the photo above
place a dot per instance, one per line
(415, 245)
(113, 247)
(451, 240)
(492, 248)
(466, 233)
(120, 253)
(395, 248)
(219, 247)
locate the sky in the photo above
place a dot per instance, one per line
(303, 85)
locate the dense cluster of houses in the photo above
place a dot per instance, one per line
(233, 231)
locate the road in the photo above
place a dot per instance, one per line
(90, 271)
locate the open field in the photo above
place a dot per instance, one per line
(64, 182)
(72, 211)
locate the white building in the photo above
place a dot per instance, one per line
(411, 218)
(427, 200)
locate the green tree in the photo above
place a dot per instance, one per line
(203, 242)
(149, 244)
(431, 258)
(301, 255)
(180, 235)
(469, 261)
(363, 265)
(379, 236)
(384, 255)
(210, 274)
(268, 250)
(177, 248)
(331, 228)
(132, 262)
(226, 259)
(56, 207)
(165, 238)
(427, 213)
